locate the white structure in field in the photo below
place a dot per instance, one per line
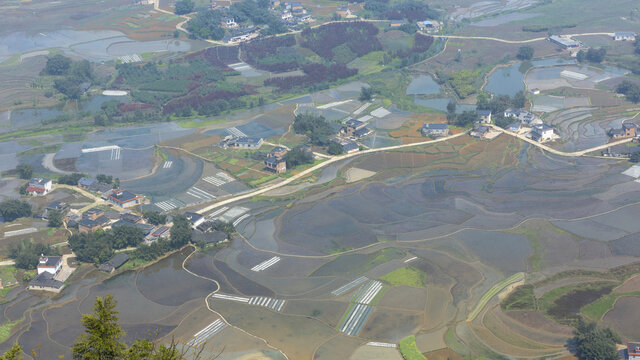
(50, 264)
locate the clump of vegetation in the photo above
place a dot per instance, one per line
(525, 53)
(463, 82)
(14, 209)
(410, 10)
(98, 247)
(409, 349)
(314, 126)
(297, 157)
(27, 254)
(70, 179)
(522, 298)
(595, 343)
(74, 73)
(359, 37)
(593, 55)
(317, 76)
(25, 171)
(183, 7)
(334, 148)
(155, 217)
(630, 90)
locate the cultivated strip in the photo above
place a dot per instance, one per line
(266, 264)
(410, 259)
(231, 297)
(344, 288)
(239, 220)
(367, 292)
(204, 334)
(381, 344)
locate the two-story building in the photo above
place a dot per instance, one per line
(39, 186)
(485, 116)
(275, 161)
(542, 133)
(628, 129)
(50, 264)
(355, 128)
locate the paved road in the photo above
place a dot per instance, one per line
(396, 147)
(510, 41)
(558, 152)
(310, 170)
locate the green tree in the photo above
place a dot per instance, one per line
(334, 148)
(451, 111)
(297, 157)
(525, 53)
(184, 7)
(13, 209)
(595, 343)
(15, 353)
(126, 236)
(57, 65)
(314, 126)
(101, 340)
(635, 157)
(466, 118)
(366, 93)
(27, 254)
(519, 100)
(68, 87)
(107, 179)
(581, 56)
(55, 218)
(25, 171)
(155, 218)
(180, 233)
(596, 55)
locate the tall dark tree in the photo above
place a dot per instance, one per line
(184, 7)
(180, 233)
(55, 218)
(334, 148)
(366, 93)
(101, 340)
(155, 218)
(525, 53)
(595, 343)
(13, 209)
(519, 100)
(26, 254)
(297, 157)
(25, 171)
(466, 118)
(451, 111)
(57, 65)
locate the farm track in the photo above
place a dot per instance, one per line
(206, 301)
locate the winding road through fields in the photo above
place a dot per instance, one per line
(512, 41)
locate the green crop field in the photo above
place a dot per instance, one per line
(409, 276)
(409, 349)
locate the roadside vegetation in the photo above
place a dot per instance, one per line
(409, 349)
